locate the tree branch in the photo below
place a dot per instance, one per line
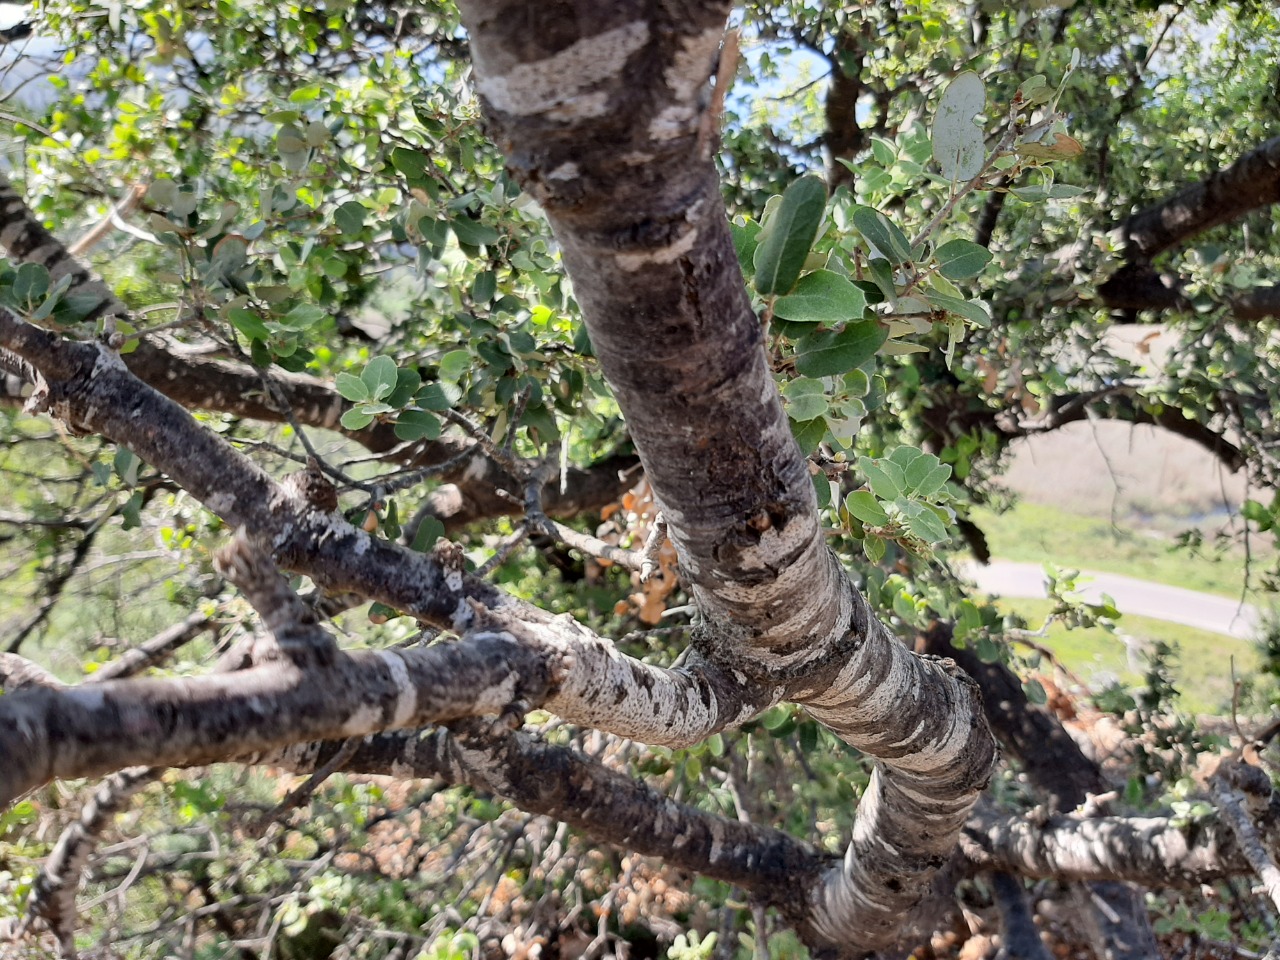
(223, 386)
(608, 806)
(568, 93)
(1251, 182)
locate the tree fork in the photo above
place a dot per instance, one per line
(600, 113)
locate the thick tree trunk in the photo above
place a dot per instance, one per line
(600, 113)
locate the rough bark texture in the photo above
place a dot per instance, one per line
(599, 112)
(609, 806)
(91, 390)
(1251, 182)
(1145, 850)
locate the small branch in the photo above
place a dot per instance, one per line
(128, 203)
(1234, 787)
(158, 648)
(1019, 938)
(302, 794)
(652, 547)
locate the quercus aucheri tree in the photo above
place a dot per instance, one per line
(790, 429)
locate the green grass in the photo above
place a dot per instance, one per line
(1203, 667)
(1035, 533)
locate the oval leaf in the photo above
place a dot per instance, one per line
(785, 240)
(957, 139)
(380, 376)
(829, 353)
(962, 259)
(889, 242)
(821, 297)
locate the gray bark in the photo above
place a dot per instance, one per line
(600, 114)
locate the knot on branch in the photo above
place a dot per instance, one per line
(311, 487)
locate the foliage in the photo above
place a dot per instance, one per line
(320, 199)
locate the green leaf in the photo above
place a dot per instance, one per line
(885, 477)
(822, 490)
(957, 138)
(454, 364)
(821, 297)
(429, 531)
(352, 387)
(863, 505)
(1255, 511)
(809, 434)
(303, 317)
(126, 465)
(380, 376)
(350, 216)
(434, 396)
(484, 286)
(407, 383)
(1034, 692)
(873, 547)
(975, 311)
(925, 524)
(788, 235)
(356, 419)
(412, 164)
(878, 230)
(746, 237)
(926, 476)
(30, 284)
(417, 425)
(248, 323)
(1036, 192)
(885, 151)
(962, 259)
(472, 232)
(828, 353)
(805, 399)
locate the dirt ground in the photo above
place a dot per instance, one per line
(1105, 468)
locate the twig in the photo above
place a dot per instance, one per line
(504, 551)
(1250, 787)
(945, 211)
(652, 546)
(477, 433)
(152, 651)
(302, 794)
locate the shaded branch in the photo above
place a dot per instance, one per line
(1251, 182)
(609, 806)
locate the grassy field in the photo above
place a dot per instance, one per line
(1037, 533)
(1203, 667)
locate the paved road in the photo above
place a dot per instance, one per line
(1141, 598)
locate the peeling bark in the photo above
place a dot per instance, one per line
(599, 113)
(1153, 851)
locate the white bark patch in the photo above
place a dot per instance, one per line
(362, 543)
(107, 359)
(680, 120)
(566, 171)
(632, 262)
(691, 67)
(557, 87)
(364, 720)
(406, 693)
